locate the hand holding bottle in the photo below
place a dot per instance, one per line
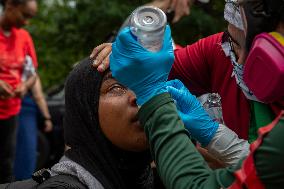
(196, 120)
(142, 71)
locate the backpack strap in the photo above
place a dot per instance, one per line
(62, 181)
(42, 180)
(27, 184)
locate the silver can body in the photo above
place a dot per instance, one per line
(148, 24)
(211, 102)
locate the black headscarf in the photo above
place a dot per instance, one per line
(113, 167)
(2, 2)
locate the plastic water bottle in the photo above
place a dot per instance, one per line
(148, 24)
(212, 104)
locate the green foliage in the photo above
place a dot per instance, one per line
(203, 21)
(64, 34)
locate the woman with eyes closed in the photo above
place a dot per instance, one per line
(108, 146)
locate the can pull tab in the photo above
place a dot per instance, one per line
(147, 20)
(148, 24)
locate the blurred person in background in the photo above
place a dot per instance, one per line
(15, 46)
(33, 104)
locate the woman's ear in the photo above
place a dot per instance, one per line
(280, 28)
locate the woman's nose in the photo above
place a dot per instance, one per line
(132, 98)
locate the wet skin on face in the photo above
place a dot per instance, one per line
(118, 116)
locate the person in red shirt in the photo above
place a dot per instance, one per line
(215, 64)
(16, 46)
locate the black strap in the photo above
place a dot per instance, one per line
(62, 181)
(58, 181)
(27, 184)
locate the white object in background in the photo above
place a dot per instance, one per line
(1, 10)
(28, 69)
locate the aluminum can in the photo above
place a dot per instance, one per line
(211, 102)
(148, 24)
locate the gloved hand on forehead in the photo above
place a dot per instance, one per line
(196, 120)
(142, 71)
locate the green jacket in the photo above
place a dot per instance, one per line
(181, 166)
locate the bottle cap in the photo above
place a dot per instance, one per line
(148, 19)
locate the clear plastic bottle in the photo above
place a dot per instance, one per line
(148, 24)
(213, 106)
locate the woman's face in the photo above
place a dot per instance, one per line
(118, 116)
(19, 15)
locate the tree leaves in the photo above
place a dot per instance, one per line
(66, 31)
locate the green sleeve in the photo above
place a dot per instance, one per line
(269, 158)
(261, 115)
(178, 162)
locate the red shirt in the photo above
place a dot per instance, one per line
(204, 68)
(13, 50)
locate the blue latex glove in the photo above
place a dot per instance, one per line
(142, 71)
(196, 120)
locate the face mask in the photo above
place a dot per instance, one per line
(264, 67)
(238, 69)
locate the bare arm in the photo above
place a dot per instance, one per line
(41, 102)
(23, 87)
(31, 81)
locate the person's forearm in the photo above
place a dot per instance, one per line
(178, 162)
(39, 99)
(31, 81)
(227, 146)
(42, 105)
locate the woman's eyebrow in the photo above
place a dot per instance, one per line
(107, 77)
